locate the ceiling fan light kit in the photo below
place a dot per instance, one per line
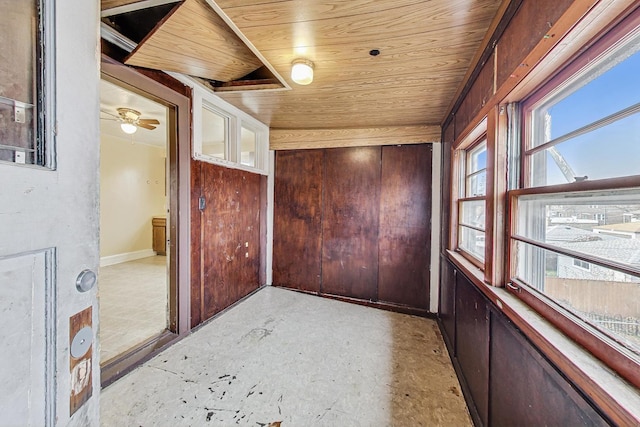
(302, 71)
(128, 128)
(131, 121)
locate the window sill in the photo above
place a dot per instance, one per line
(618, 399)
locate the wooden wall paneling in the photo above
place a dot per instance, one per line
(526, 389)
(447, 301)
(480, 93)
(291, 139)
(196, 250)
(220, 223)
(472, 346)
(529, 25)
(350, 222)
(405, 219)
(248, 268)
(297, 242)
(230, 222)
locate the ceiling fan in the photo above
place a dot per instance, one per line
(130, 120)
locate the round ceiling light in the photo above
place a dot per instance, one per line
(302, 71)
(128, 128)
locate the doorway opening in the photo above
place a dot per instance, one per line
(143, 283)
(134, 290)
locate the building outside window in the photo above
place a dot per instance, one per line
(570, 240)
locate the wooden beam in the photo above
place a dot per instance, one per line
(292, 139)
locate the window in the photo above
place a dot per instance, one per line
(581, 264)
(26, 135)
(215, 133)
(569, 239)
(472, 200)
(248, 141)
(227, 136)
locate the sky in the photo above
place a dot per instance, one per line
(613, 150)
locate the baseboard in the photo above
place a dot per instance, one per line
(397, 308)
(127, 256)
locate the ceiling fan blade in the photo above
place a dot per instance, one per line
(110, 114)
(145, 126)
(148, 121)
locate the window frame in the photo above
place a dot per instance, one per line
(44, 101)
(235, 120)
(602, 345)
(467, 144)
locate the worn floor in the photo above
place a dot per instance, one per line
(300, 360)
(133, 304)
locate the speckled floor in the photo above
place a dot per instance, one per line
(282, 356)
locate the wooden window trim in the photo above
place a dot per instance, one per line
(600, 345)
(459, 161)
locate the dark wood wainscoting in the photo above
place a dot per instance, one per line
(355, 223)
(506, 380)
(227, 237)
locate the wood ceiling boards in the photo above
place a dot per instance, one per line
(426, 48)
(194, 40)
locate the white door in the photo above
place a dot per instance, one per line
(48, 214)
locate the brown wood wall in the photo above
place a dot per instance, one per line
(227, 237)
(528, 26)
(506, 380)
(355, 222)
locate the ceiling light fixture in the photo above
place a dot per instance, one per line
(128, 128)
(302, 71)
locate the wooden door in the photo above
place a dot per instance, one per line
(350, 222)
(226, 235)
(49, 216)
(405, 225)
(297, 242)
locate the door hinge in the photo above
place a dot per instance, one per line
(201, 203)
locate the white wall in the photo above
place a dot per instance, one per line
(132, 191)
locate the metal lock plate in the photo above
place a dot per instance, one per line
(81, 342)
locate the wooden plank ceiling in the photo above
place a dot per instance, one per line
(194, 40)
(425, 49)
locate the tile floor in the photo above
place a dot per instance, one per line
(298, 359)
(133, 304)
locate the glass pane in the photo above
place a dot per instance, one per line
(471, 241)
(477, 184)
(605, 298)
(477, 158)
(18, 36)
(602, 224)
(608, 152)
(472, 213)
(214, 134)
(603, 91)
(247, 147)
